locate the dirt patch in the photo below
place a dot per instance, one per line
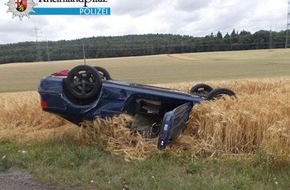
(16, 179)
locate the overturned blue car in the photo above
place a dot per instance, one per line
(86, 92)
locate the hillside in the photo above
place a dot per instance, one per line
(159, 68)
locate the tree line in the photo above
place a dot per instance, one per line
(136, 45)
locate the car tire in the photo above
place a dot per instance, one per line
(103, 73)
(200, 89)
(83, 82)
(219, 93)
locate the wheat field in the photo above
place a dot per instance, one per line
(165, 68)
(258, 120)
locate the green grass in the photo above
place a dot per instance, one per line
(160, 68)
(91, 167)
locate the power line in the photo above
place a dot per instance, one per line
(47, 51)
(84, 53)
(270, 40)
(36, 42)
(287, 44)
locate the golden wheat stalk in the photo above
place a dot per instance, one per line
(257, 120)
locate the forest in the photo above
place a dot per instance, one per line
(136, 45)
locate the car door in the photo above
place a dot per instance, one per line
(173, 124)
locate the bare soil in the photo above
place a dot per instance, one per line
(17, 179)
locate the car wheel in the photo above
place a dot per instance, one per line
(200, 89)
(219, 93)
(103, 73)
(83, 82)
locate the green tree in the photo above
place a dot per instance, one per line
(219, 35)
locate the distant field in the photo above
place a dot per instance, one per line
(160, 68)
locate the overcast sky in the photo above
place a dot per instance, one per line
(184, 17)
